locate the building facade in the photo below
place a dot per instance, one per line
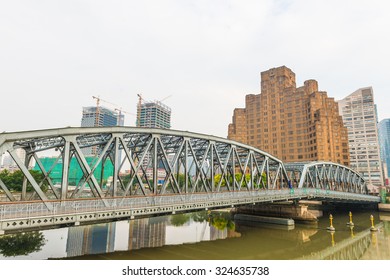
(7, 163)
(153, 114)
(99, 116)
(384, 144)
(293, 124)
(359, 115)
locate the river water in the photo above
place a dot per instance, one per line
(205, 235)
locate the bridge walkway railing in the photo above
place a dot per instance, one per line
(28, 215)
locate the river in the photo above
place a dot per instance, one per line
(206, 235)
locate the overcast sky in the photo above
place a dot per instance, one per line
(205, 56)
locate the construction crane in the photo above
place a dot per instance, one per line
(121, 112)
(98, 99)
(116, 108)
(165, 98)
(97, 111)
(139, 109)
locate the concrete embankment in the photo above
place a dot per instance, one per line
(263, 219)
(299, 213)
(383, 207)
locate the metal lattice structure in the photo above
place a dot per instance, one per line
(326, 176)
(153, 172)
(159, 162)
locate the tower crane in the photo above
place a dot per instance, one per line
(98, 100)
(116, 108)
(165, 98)
(139, 109)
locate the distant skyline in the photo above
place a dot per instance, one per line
(206, 55)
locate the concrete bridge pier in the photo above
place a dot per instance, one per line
(298, 212)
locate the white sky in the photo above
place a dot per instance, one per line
(55, 55)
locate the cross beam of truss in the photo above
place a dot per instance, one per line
(143, 161)
(327, 176)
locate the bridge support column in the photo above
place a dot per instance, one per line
(299, 213)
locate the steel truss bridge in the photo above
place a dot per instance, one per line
(154, 172)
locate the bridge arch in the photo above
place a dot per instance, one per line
(144, 162)
(153, 172)
(326, 176)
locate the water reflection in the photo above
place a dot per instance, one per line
(204, 235)
(93, 239)
(21, 244)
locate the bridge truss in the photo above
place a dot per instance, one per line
(145, 162)
(326, 176)
(152, 172)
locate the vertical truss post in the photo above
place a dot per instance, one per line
(24, 186)
(234, 166)
(65, 170)
(186, 165)
(268, 175)
(251, 167)
(116, 167)
(155, 164)
(211, 143)
(281, 176)
(102, 171)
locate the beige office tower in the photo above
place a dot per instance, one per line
(359, 114)
(294, 124)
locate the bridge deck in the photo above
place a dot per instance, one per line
(20, 216)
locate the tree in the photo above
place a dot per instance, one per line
(14, 180)
(221, 221)
(200, 216)
(179, 219)
(21, 243)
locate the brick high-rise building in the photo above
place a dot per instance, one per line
(293, 124)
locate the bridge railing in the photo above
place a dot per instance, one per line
(155, 161)
(193, 201)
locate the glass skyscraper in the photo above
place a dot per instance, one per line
(384, 141)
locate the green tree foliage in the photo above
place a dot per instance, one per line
(200, 216)
(14, 180)
(221, 221)
(180, 219)
(219, 177)
(21, 244)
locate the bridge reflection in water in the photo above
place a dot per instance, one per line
(167, 172)
(353, 248)
(197, 236)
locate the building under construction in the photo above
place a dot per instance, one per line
(100, 116)
(153, 114)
